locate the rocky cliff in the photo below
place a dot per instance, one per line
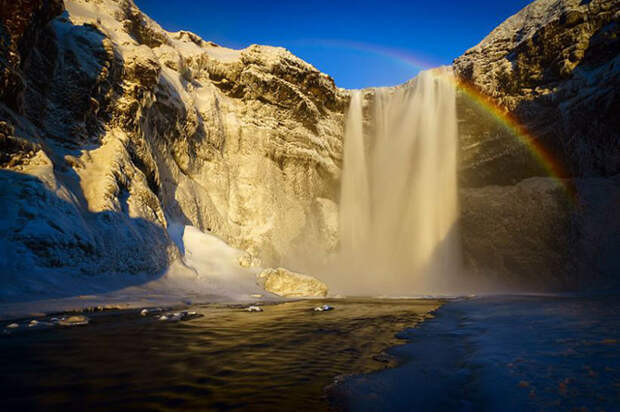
(114, 133)
(112, 128)
(555, 68)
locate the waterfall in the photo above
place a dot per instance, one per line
(398, 204)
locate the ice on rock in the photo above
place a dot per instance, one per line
(75, 320)
(180, 316)
(323, 308)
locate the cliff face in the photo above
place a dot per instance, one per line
(555, 67)
(21, 24)
(112, 129)
(114, 133)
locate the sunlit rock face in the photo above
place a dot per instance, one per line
(285, 283)
(554, 66)
(120, 128)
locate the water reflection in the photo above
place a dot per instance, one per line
(279, 359)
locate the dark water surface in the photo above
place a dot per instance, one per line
(279, 359)
(506, 353)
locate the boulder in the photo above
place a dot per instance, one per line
(285, 283)
(177, 316)
(76, 320)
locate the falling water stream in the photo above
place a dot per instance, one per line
(398, 205)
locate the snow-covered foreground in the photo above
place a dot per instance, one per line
(210, 270)
(501, 354)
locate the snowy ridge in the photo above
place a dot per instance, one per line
(524, 24)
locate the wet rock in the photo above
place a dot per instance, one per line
(530, 234)
(285, 283)
(99, 308)
(384, 358)
(76, 320)
(144, 312)
(179, 316)
(175, 316)
(41, 324)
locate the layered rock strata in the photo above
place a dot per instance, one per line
(553, 67)
(111, 128)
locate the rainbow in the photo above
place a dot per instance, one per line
(552, 166)
(392, 53)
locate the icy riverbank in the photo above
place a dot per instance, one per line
(208, 271)
(500, 354)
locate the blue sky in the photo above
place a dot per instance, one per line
(352, 41)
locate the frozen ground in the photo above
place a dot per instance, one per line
(501, 354)
(210, 270)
